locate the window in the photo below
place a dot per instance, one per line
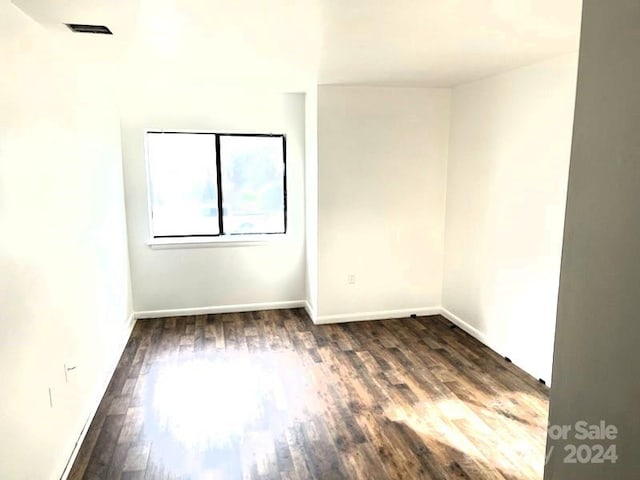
(214, 184)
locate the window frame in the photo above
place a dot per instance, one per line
(221, 238)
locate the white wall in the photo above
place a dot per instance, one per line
(506, 189)
(596, 369)
(64, 281)
(182, 278)
(382, 169)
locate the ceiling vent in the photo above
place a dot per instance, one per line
(98, 29)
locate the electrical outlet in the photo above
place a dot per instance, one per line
(351, 279)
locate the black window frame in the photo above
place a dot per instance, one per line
(218, 162)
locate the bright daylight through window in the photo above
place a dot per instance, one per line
(210, 184)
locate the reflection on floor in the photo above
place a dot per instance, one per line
(271, 395)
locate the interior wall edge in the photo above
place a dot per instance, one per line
(310, 311)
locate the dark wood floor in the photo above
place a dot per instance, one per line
(271, 395)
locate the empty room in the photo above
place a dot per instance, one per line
(319, 239)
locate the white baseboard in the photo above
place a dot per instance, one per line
(310, 311)
(101, 393)
(471, 330)
(247, 307)
(377, 315)
(486, 340)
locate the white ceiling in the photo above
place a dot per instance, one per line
(377, 42)
(441, 42)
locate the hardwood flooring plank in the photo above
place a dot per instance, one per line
(270, 395)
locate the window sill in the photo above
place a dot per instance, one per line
(223, 241)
